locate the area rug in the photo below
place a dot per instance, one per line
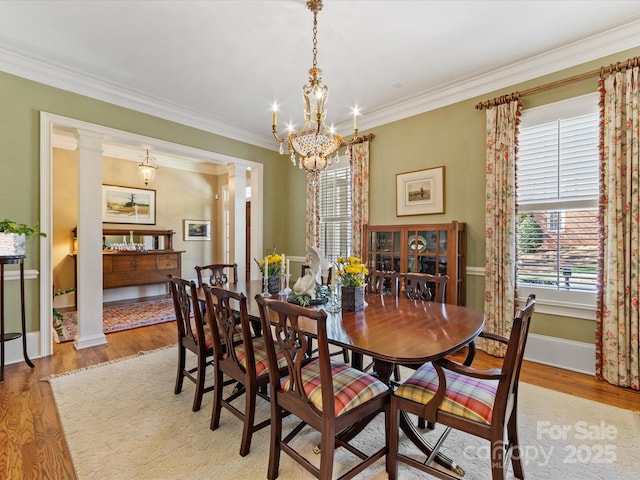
(116, 318)
(122, 420)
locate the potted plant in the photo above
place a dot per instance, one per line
(13, 236)
(352, 273)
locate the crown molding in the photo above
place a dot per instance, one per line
(600, 45)
(611, 41)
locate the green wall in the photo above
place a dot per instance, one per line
(452, 136)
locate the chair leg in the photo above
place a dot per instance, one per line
(345, 355)
(200, 377)
(180, 374)
(327, 448)
(498, 466)
(249, 417)
(394, 425)
(516, 457)
(274, 448)
(217, 398)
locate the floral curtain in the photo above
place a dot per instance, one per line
(360, 193)
(618, 312)
(500, 222)
(312, 233)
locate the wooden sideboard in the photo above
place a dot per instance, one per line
(125, 269)
(129, 268)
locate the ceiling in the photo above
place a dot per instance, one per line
(218, 65)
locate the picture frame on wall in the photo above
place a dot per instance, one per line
(128, 205)
(197, 230)
(420, 192)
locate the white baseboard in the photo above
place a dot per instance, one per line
(557, 352)
(13, 349)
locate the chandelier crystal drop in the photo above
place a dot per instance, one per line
(315, 143)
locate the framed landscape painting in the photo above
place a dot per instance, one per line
(128, 205)
(420, 192)
(197, 230)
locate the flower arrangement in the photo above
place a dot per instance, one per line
(351, 271)
(275, 264)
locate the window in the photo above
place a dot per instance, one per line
(336, 225)
(558, 187)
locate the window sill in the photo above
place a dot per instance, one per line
(562, 303)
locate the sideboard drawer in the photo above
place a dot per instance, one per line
(167, 261)
(141, 268)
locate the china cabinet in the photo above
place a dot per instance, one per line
(438, 248)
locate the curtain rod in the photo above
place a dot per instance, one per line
(365, 138)
(614, 67)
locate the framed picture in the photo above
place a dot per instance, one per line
(420, 192)
(128, 205)
(197, 230)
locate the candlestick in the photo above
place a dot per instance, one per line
(288, 272)
(266, 267)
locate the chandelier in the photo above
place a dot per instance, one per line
(315, 144)
(147, 169)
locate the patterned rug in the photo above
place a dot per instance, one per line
(121, 317)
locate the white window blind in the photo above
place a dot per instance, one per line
(336, 225)
(558, 187)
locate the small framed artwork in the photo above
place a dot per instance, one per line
(128, 205)
(197, 230)
(420, 192)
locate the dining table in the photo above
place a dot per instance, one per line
(391, 330)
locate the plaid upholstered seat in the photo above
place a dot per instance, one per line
(351, 387)
(466, 397)
(260, 356)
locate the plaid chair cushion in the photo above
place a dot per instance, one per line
(208, 338)
(260, 355)
(351, 387)
(466, 397)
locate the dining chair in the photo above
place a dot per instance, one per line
(425, 286)
(193, 335)
(383, 282)
(217, 273)
(240, 357)
(483, 403)
(327, 395)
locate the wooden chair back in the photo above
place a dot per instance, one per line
(426, 287)
(455, 382)
(290, 326)
(217, 273)
(192, 336)
(383, 283)
(235, 356)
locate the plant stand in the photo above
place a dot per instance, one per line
(4, 337)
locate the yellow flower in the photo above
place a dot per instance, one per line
(351, 271)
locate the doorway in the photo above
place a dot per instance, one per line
(60, 131)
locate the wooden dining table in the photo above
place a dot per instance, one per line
(391, 330)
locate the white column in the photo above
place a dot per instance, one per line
(237, 215)
(89, 294)
(257, 249)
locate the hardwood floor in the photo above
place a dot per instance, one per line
(32, 444)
